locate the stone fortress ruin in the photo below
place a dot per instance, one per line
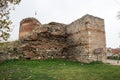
(82, 40)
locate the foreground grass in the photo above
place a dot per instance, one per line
(57, 70)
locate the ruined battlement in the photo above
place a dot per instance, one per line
(27, 26)
(79, 40)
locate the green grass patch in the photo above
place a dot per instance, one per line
(57, 69)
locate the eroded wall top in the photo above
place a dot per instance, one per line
(27, 25)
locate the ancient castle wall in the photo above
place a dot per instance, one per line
(85, 36)
(45, 42)
(78, 40)
(82, 40)
(97, 41)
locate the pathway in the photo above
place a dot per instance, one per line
(113, 62)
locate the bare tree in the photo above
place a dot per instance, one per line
(5, 7)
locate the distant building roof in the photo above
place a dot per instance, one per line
(115, 51)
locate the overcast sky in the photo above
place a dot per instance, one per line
(66, 11)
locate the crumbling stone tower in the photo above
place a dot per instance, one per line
(83, 40)
(86, 39)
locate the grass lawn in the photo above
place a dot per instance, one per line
(57, 69)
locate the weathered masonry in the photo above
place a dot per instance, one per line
(86, 39)
(83, 40)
